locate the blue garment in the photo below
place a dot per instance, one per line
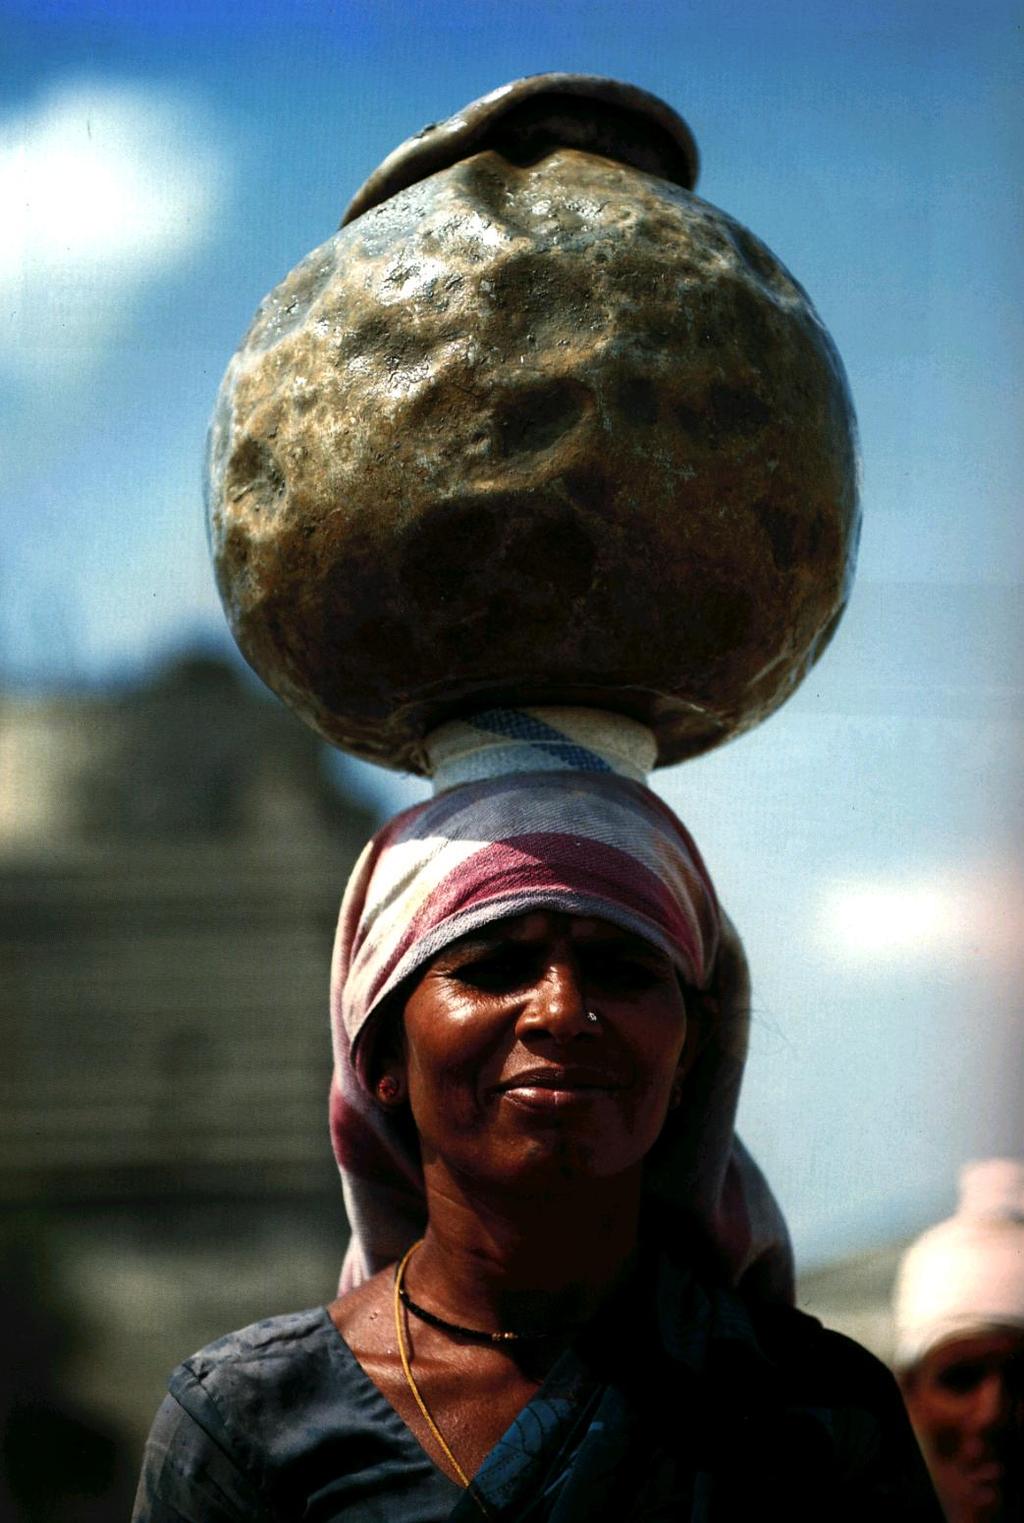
(279, 1421)
(680, 1402)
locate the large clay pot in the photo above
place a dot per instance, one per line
(537, 425)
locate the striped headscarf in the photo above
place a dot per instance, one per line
(545, 809)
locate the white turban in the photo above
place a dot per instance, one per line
(967, 1273)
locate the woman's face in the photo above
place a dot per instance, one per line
(966, 1401)
(508, 1078)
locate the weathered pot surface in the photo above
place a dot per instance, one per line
(537, 425)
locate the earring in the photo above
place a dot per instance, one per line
(592, 1017)
(387, 1089)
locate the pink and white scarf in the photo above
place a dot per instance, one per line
(577, 833)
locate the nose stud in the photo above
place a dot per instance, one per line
(592, 1017)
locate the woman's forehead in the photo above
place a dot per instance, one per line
(542, 925)
(994, 1341)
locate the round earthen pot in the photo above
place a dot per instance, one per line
(537, 425)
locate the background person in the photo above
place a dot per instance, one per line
(959, 1315)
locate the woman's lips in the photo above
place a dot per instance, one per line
(554, 1089)
(540, 1098)
(987, 1473)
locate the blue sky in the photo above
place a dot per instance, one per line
(163, 166)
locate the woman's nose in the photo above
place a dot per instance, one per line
(557, 1005)
(993, 1402)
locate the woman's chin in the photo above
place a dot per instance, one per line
(553, 1161)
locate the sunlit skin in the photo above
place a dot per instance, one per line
(966, 1402)
(534, 1123)
(512, 1087)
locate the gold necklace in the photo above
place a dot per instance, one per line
(410, 1382)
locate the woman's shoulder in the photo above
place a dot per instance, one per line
(233, 1380)
(814, 1368)
(840, 1409)
(286, 1373)
(263, 1348)
(809, 1353)
(262, 1418)
(209, 1455)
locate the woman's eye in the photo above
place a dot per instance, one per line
(495, 973)
(506, 970)
(960, 1378)
(625, 973)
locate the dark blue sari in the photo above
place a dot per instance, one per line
(697, 1408)
(680, 1402)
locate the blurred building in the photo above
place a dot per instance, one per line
(170, 869)
(171, 862)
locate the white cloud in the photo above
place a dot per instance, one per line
(103, 189)
(954, 919)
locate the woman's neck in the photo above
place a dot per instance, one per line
(537, 1263)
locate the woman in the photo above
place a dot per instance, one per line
(567, 1291)
(958, 1312)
